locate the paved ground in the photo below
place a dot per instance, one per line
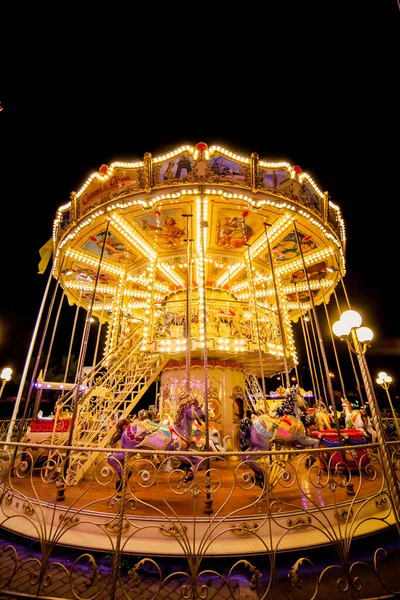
(23, 581)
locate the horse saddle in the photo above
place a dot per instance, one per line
(146, 428)
(283, 428)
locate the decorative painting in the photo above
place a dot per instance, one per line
(97, 193)
(314, 272)
(301, 296)
(234, 230)
(273, 178)
(87, 274)
(115, 249)
(288, 249)
(178, 167)
(167, 229)
(226, 168)
(309, 197)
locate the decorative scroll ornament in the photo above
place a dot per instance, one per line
(244, 528)
(173, 531)
(113, 526)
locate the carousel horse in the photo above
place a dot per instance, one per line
(322, 418)
(259, 432)
(358, 419)
(199, 437)
(147, 435)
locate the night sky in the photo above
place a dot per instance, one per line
(322, 95)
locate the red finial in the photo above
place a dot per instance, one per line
(103, 169)
(297, 169)
(201, 146)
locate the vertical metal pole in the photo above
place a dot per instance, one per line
(321, 343)
(189, 286)
(385, 386)
(314, 368)
(71, 341)
(27, 361)
(358, 385)
(390, 475)
(98, 335)
(85, 340)
(335, 352)
(257, 327)
(46, 366)
(306, 343)
(283, 337)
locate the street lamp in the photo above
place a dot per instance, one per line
(350, 322)
(358, 339)
(5, 376)
(384, 380)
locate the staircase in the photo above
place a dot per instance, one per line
(107, 394)
(254, 392)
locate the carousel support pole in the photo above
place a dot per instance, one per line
(27, 361)
(283, 337)
(350, 487)
(189, 286)
(75, 397)
(46, 366)
(335, 352)
(306, 343)
(39, 352)
(257, 327)
(357, 380)
(318, 359)
(98, 336)
(71, 341)
(208, 501)
(314, 312)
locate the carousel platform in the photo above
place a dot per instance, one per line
(220, 512)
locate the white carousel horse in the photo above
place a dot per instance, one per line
(358, 419)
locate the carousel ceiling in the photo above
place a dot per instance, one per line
(226, 214)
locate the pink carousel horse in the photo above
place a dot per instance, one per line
(147, 435)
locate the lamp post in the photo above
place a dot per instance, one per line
(384, 380)
(5, 376)
(358, 339)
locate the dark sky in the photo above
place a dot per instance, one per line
(315, 87)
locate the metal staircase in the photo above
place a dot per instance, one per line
(110, 392)
(253, 391)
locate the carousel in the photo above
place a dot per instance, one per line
(184, 277)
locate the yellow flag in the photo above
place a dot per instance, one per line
(45, 254)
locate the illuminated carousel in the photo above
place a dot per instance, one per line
(190, 269)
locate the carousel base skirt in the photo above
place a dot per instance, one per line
(221, 516)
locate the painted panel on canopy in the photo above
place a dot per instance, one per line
(177, 168)
(309, 197)
(165, 228)
(221, 168)
(115, 248)
(123, 182)
(301, 296)
(273, 178)
(314, 272)
(233, 230)
(83, 273)
(288, 249)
